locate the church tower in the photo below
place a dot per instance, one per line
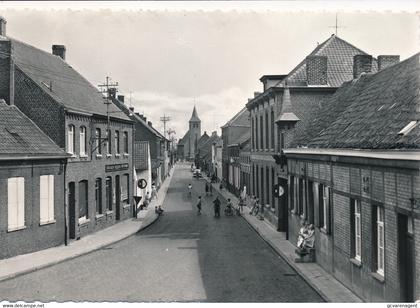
(195, 134)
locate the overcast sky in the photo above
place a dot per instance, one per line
(169, 60)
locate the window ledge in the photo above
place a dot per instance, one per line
(323, 230)
(99, 216)
(73, 155)
(108, 155)
(43, 223)
(127, 205)
(126, 154)
(16, 229)
(83, 221)
(118, 155)
(108, 213)
(356, 262)
(83, 156)
(378, 277)
(98, 155)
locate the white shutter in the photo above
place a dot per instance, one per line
(12, 204)
(43, 198)
(50, 197)
(21, 202)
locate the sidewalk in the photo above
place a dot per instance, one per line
(324, 283)
(27, 263)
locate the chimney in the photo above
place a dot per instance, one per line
(149, 123)
(214, 134)
(387, 60)
(3, 23)
(59, 50)
(316, 70)
(361, 64)
(121, 98)
(132, 109)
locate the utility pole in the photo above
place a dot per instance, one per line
(336, 24)
(165, 119)
(105, 88)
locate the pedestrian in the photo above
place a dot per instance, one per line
(154, 191)
(253, 205)
(207, 188)
(189, 189)
(216, 203)
(199, 206)
(241, 204)
(211, 189)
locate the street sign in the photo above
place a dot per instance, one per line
(142, 183)
(278, 190)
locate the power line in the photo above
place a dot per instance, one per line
(165, 119)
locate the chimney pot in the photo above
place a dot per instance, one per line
(112, 92)
(59, 50)
(387, 60)
(131, 109)
(121, 98)
(361, 64)
(316, 70)
(3, 23)
(149, 123)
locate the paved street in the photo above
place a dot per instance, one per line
(181, 257)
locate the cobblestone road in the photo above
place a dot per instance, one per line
(182, 257)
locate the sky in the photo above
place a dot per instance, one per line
(171, 59)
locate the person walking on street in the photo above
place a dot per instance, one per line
(199, 206)
(254, 206)
(216, 203)
(189, 189)
(154, 191)
(207, 188)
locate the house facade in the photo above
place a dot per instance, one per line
(317, 77)
(354, 174)
(32, 175)
(76, 117)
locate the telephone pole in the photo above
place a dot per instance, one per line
(105, 89)
(165, 119)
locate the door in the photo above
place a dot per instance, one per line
(283, 215)
(117, 197)
(72, 210)
(406, 257)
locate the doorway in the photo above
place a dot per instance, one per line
(283, 206)
(406, 257)
(72, 210)
(117, 197)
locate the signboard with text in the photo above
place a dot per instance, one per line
(116, 167)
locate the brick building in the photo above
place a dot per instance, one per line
(237, 127)
(354, 174)
(32, 169)
(315, 78)
(71, 111)
(245, 163)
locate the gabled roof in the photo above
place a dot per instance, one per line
(370, 112)
(203, 139)
(239, 119)
(194, 116)
(141, 155)
(205, 149)
(339, 66)
(184, 139)
(20, 138)
(68, 87)
(241, 138)
(135, 117)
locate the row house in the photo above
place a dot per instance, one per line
(317, 77)
(216, 159)
(235, 182)
(157, 143)
(72, 113)
(142, 164)
(245, 164)
(204, 159)
(32, 171)
(354, 175)
(234, 129)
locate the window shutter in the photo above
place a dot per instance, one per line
(50, 197)
(316, 203)
(12, 203)
(329, 212)
(43, 198)
(21, 201)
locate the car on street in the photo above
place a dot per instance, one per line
(197, 173)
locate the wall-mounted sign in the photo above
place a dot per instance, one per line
(116, 167)
(142, 183)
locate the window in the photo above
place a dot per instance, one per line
(82, 140)
(98, 141)
(83, 200)
(272, 183)
(108, 193)
(272, 129)
(46, 199)
(357, 230)
(292, 191)
(15, 203)
(301, 198)
(125, 142)
(125, 188)
(267, 145)
(117, 142)
(252, 133)
(380, 240)
(261, 133)
(108, 142)
(256, 134)
(98, 195)
(324, 207)
(70, 140)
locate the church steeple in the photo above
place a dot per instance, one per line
(194, 116)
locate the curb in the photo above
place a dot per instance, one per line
(74, 256)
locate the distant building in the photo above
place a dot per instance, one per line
(204, 155)
(142, 170)
(216, 159)
(71, 112)
(354, 174)
(187, 146)
(32, 198)
(317, 77)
